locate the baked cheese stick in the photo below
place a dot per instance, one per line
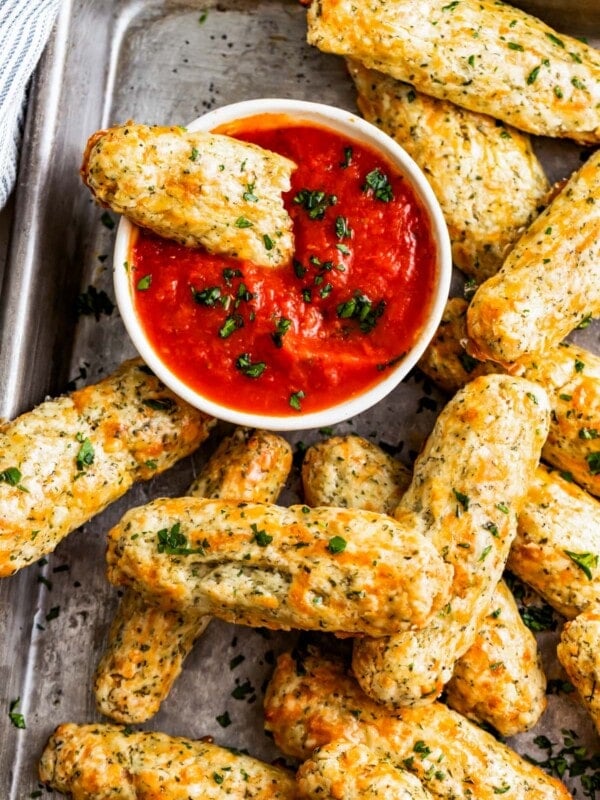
(457, 148)
(485, 56)
(500, 679)
(345, 571)
(352, 472)
(468, 487)
(344, 770)
(195, 187)
(313, 702)
(550, 281)
(66, 460)
(147, 645)
(557, 547)
(579, 653)
(570, 375)
(97, 762)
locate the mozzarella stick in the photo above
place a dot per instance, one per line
(313, 701)
(345, 571)
(570, 375)
(195, 187)
(69, 458)
(557, 547)
(346, 771)
(351, 472)
(456, 148)
(500, 679)
(550, 281)
(579, 653)
(147, 646)
(97, 762)
(468, 487)
(486, 56)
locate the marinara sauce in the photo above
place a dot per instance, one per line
(320, 330)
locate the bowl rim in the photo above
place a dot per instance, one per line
(347, 123)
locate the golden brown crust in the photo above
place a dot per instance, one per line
(98, 762)
(147, 645)
(351, 472)
(457, 148)
(69, 458)
(312, 701)
(550, 281)
(344, 770)
(486, 56)
(579, 653)
(468, 488)
(346, 571)
(193, 186)
(570, 375)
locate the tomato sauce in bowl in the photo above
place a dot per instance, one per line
(318, 331)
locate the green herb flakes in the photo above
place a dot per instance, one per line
(337, 544)
(144, 283)
(261, 537)
(295, 400)
(249, 368)
(378, 184)
(315, 202)
(17, 719)
(585, 561)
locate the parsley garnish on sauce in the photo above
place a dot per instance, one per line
(377, 183)
(359, 307)
(315, 202)
(295, 399)
(249, 368)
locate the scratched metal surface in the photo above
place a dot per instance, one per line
(156, 62)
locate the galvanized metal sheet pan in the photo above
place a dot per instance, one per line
(158, 61)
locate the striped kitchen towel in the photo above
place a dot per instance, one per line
(25, 26)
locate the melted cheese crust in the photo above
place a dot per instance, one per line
(457, 149)
(131, 428)
(194, 187)
(483, 55)
(313, 701)
(468, 487)
(346, 571)
(148, 645)
(98, 762)
(550, 281)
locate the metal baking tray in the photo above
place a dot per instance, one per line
(158, 61)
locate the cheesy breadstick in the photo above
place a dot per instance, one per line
(570, 375)
(195, 187)
(578, 652)
(95, 762)
(485, 56)
(313, 701)
(550, 281)
(499, 680)
(344, 770)
(66, 460)
(457, 148)
(468, 487)
(339, 570)
(147, 645)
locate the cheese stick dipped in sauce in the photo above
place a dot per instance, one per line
(468, 488)
(570, 374)
(97, 762)
(147, 645)
(195, 187)
(550, 281)
(486, 56)
(339, 570)
(456, 148)
(344, 770)
(500, 679)
(65, 461)
(313, 701)
(579, 653)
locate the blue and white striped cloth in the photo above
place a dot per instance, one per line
(25, 26)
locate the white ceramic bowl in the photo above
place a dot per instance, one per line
(354, 127)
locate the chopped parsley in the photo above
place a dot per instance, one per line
(144, 283)
(463, 499)
(585, 561)
(261, 537)
(174, 543)
(231, 324)
(347, 158)
(295, 399)
(360, 308)
(315, 202)
(249, 195)
(242, 222)
(249, 368)
(281, 328)
(17, 719)
(85, 455)
(107, 221)
(377, 183)
(159, 403)
(337, 544)
(593, 461)
(342, 228)
(206, 297)
(94, 302)
(224, 719)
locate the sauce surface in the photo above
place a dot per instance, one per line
(320, 330)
